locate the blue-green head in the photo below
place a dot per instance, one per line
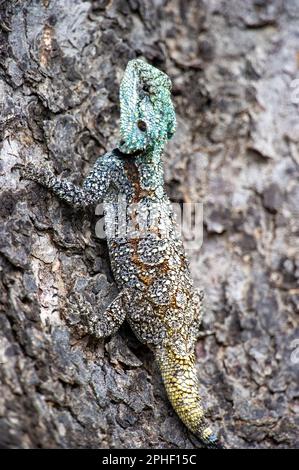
(147, 117)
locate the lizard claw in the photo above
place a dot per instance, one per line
(21, 168)
(17, 166)
(28, 171)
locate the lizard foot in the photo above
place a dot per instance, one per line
(87, 319)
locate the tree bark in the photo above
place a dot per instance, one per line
(233, 66)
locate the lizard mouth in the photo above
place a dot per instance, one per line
(123, 150)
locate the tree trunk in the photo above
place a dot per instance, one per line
(233, 66)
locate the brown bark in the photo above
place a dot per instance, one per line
(236, 149)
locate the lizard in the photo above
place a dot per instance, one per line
(156, 293)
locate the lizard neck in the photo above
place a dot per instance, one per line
(151, 171)
(151, 155)
(145, 173)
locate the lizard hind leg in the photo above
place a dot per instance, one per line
(181, 384)
(89, 320)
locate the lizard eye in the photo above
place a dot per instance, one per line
(141, 125)
(145, 88)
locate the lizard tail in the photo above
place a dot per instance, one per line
(181, 384)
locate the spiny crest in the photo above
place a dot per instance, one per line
(147, 112)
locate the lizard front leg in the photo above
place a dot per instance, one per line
(92, 191)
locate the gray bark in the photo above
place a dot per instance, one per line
(233, 65)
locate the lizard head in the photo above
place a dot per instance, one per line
(147, 116)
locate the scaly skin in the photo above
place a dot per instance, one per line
(148, 260)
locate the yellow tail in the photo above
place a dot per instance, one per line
(181, 384)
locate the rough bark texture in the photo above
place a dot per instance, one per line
(236, 149)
